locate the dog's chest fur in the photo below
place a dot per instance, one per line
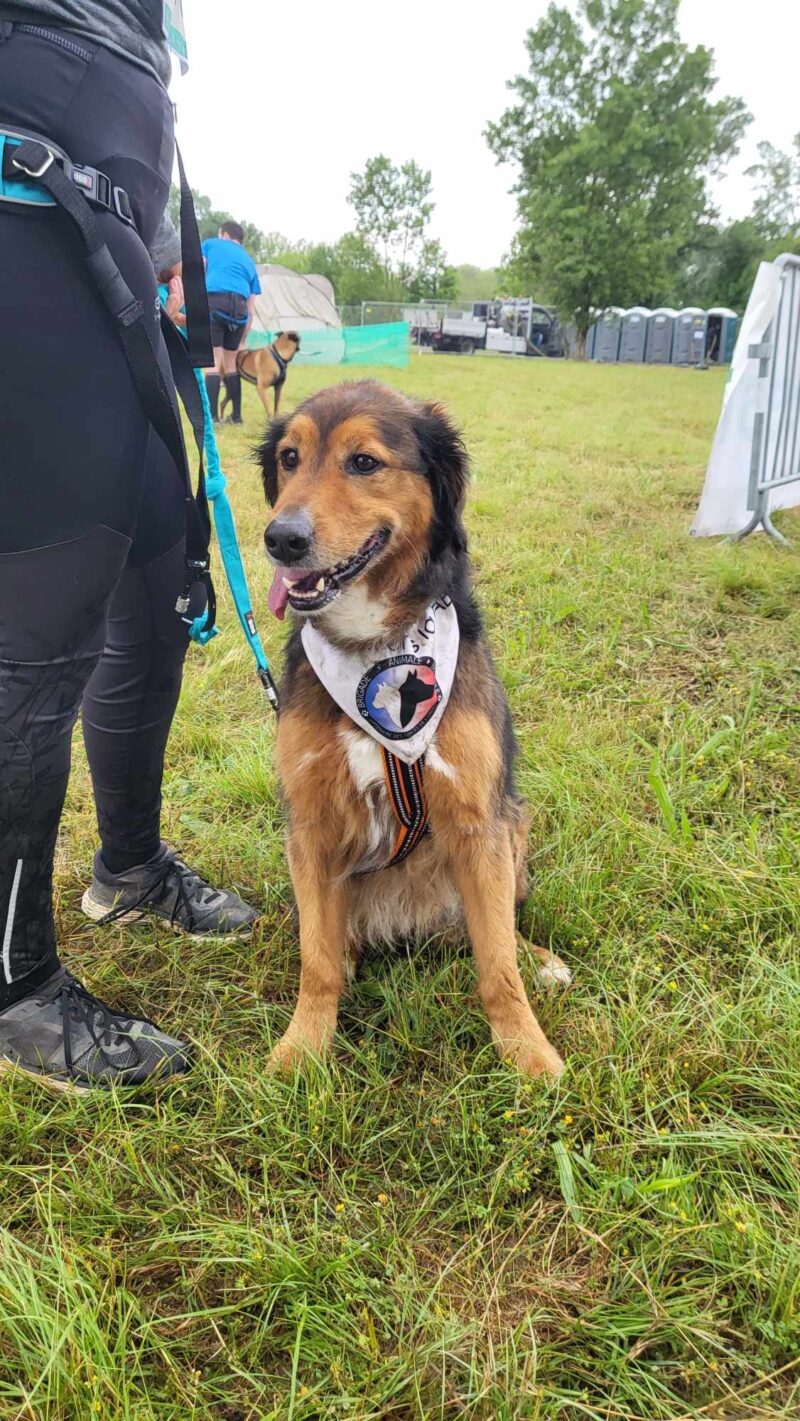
(411, 899)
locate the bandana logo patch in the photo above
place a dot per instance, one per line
(399, 695)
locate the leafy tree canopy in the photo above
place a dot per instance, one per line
(614, 134)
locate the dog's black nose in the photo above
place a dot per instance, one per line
(288, 537)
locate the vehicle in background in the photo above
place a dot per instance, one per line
(509, 327)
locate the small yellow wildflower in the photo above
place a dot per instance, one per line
(383, 1198)
(741, 1226)
(566, 1120)
(508, 1115)
(672, 986)
(340, 1208)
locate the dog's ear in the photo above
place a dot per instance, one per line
(445, 461)
(266, 453)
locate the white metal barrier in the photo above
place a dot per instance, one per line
(775, 450)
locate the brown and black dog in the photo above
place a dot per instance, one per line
(367, 489)
(266, 368)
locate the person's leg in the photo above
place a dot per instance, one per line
(128, 708)
(233, 383)
(215, 375)
(70, 488)
(130, 700)
(73, 456)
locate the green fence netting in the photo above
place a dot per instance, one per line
(348, 345)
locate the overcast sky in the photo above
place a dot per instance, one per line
(283, 101)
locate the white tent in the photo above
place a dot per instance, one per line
(291, 302)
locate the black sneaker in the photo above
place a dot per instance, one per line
(167, 887)
(232, 419)
(66, 1037)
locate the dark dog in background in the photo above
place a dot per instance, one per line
(367, 489)
(267, 367)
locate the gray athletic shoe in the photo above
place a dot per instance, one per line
(167, 887)
(68, 1038)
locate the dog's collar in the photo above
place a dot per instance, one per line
(397, 695)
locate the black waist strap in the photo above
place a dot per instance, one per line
(96, 187)
(35, 160)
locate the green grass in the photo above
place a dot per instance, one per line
(413, 1231)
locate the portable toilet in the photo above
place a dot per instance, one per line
(660, 333)
(689, 344)
(720, 335)
(633, 339)
(607, 336)
(591, 336)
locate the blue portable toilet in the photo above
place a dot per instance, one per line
(720, 335)
(607, 335)
(689, 344)
(633, 337)
(660, 335)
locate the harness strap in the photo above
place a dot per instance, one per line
(283, 365)
(406, 788)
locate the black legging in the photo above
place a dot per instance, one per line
(91, 506)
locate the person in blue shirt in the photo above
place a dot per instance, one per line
(232, 284)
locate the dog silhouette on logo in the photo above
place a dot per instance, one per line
(400, 702)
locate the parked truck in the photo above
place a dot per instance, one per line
(511, 327)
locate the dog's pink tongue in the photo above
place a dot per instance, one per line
(279, 592)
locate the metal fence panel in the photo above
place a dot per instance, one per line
(775, 453)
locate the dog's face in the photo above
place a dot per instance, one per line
(365, 487)
(288, 343)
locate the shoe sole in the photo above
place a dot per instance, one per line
(69, 1087)
(8, 1067)
(97, 911)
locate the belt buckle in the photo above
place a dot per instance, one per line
(122, 205)
(35, 172)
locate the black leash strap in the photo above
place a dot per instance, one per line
(198, 325)
(35, 161)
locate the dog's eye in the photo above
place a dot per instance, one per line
(364, 464)
(289, 458)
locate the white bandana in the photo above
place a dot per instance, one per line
(399, 695)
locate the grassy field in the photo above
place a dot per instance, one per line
(413, 1231)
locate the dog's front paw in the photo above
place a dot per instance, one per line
(303, 1040)
(534, 1059)
(285, 1056)
(531, 1052)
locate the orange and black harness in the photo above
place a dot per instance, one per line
(405, 785)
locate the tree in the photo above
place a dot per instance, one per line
(392, 210)
(358, 274)
(721, 269)
(615, 136)
(776, 210)
(432, 278)
(475, 283)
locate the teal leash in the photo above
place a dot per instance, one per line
(225, 528)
